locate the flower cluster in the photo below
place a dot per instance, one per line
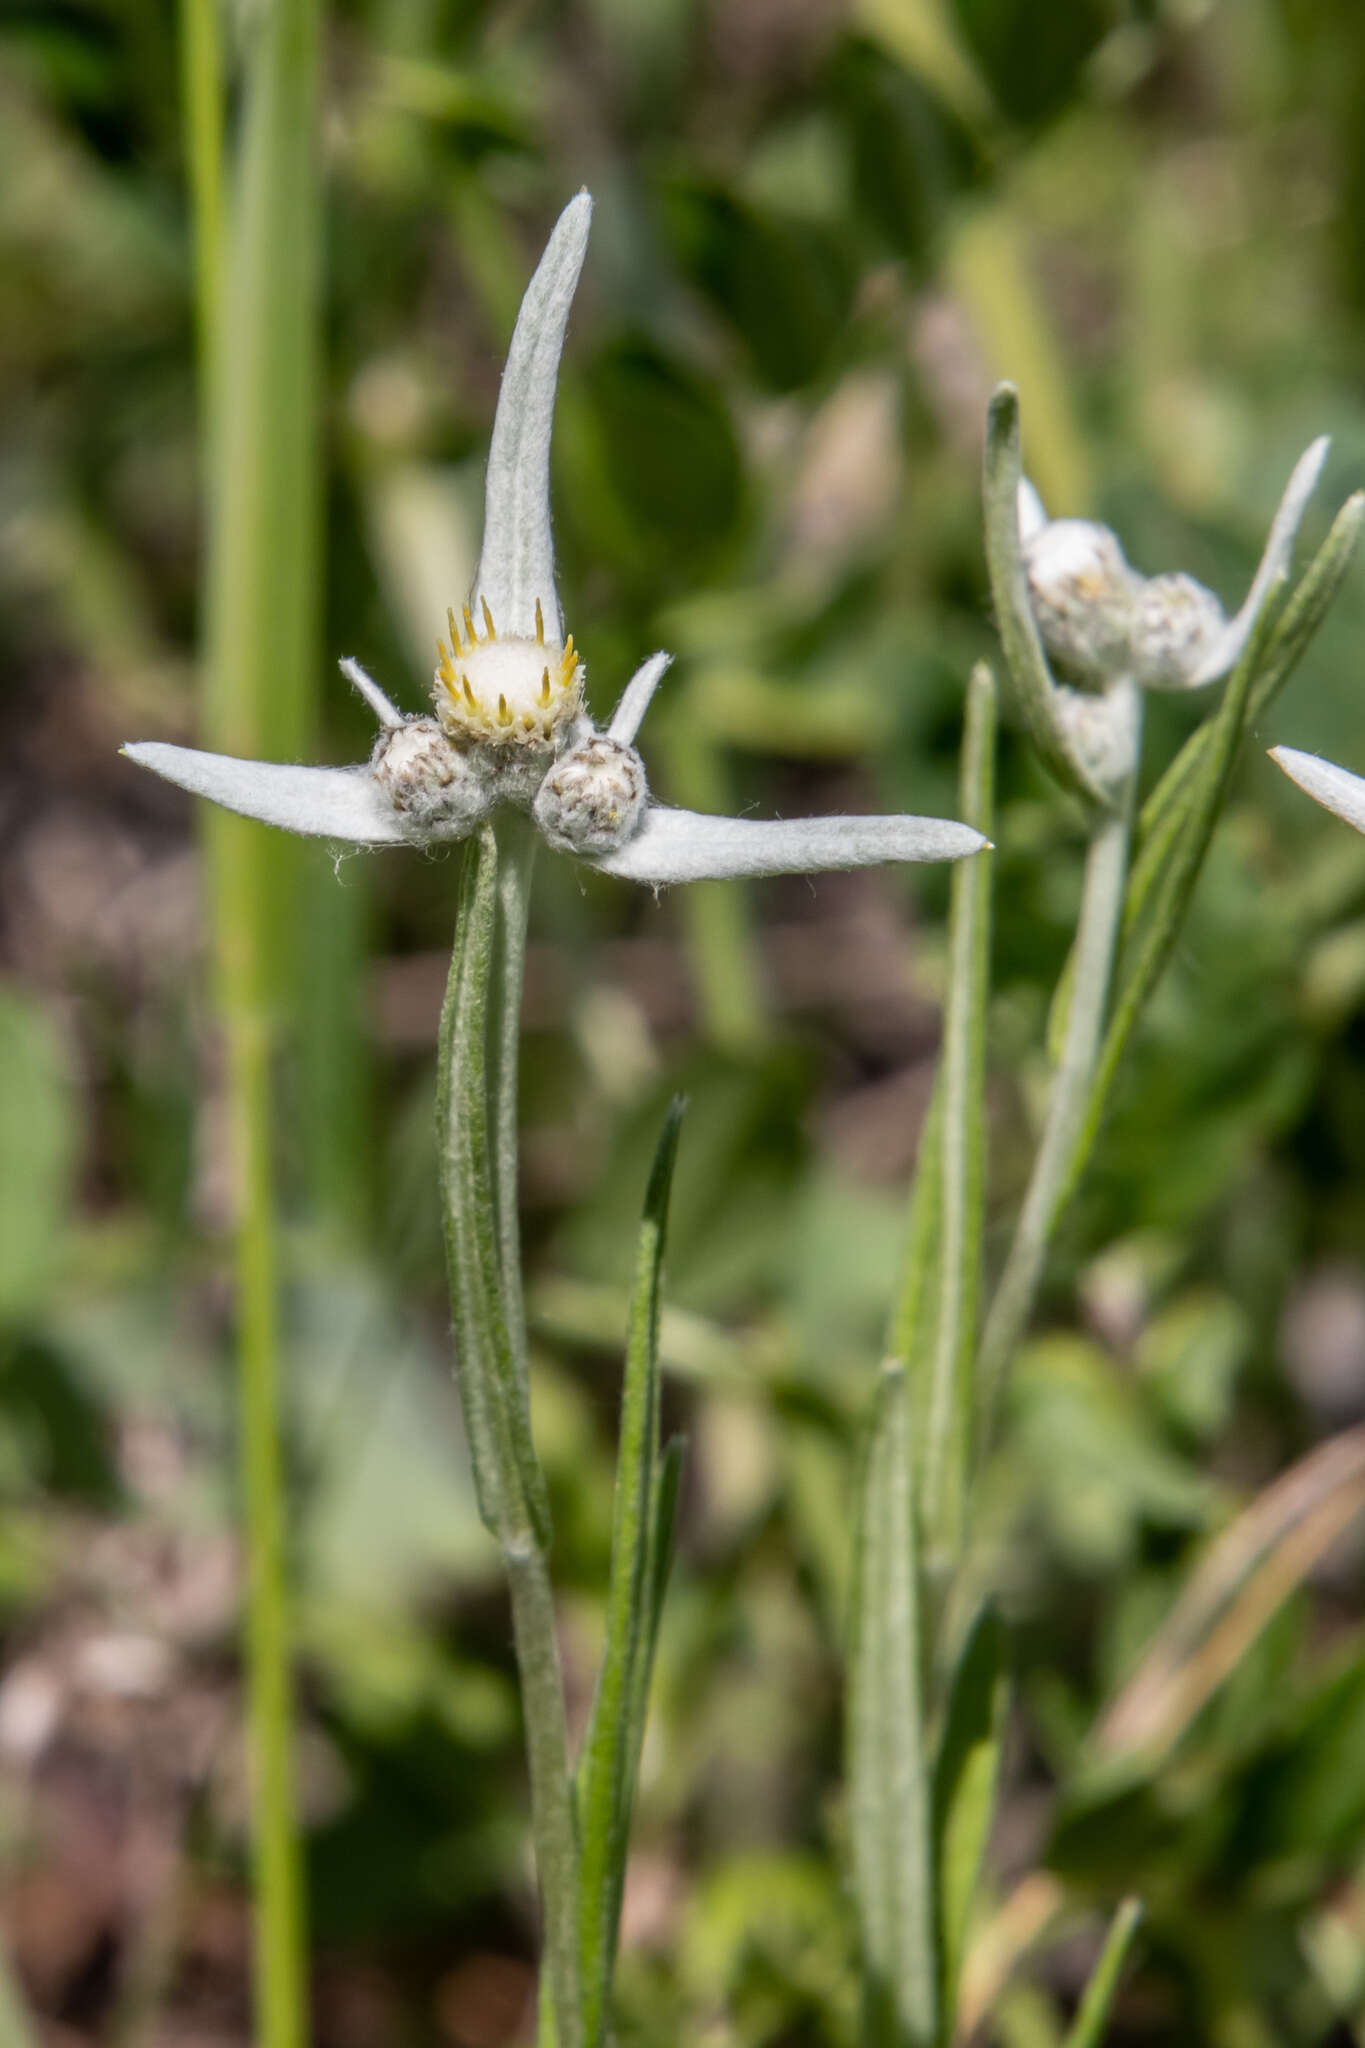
(1086, 634)
(509, 725)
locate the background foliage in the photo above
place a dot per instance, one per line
(822, 231)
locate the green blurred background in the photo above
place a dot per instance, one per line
(823, 229)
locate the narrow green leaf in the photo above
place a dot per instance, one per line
(1292, 635)
(661, 1554)
(607, 1772)
(966, 1772)
(1150, 945)
(912, 1313)
(945, 1455)
(1106, 867)
(1024, 656)
(1087, 2029)
(508, 1481)
(888, 1762)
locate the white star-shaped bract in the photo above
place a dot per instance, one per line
(508, 724)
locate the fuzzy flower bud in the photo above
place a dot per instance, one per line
(1177, 625)
(1103, 728)
(434, 790)
(1084, 598)
(593, 798)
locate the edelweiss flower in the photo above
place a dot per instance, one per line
(1066, 599)
(1100, 619)
(508, 722)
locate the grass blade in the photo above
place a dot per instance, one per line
(966, 1772)
(262, 578)
(1150, 944)
(888, 1765)
(1087, 2029)
(606, 1778)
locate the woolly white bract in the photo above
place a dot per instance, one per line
(1336, 789)
(508, 724)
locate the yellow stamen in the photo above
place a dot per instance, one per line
(454, 629)
(470, 698)
(540, 625)
(488, 619)
(528, 723)
(504, 715)
(469, 625)
(545, 686)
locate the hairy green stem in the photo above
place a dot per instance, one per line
(476, 1137)
(1106, 869)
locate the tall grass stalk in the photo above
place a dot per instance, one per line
(257, 292)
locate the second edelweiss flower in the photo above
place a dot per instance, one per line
(508, 723)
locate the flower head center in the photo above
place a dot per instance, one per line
(513, 691)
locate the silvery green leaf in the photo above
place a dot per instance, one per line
(1033, 680)
(324, 803)
(690, 846)
(889, 1767)
(626, 719)
(1334, 788)
(1226, 650)
(943, 1388)
(517, 565)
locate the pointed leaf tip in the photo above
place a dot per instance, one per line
(1336, 789)
(1274, 566)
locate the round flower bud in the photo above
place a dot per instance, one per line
(1103, 729)
(593, 798)
(1177, 623)
(1083, 596)
(435, 791)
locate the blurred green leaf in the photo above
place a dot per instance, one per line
(38, 1145)
(658, 479)
(889, 1762)
(966, 1779)
(1088, 2028)
(1032, 57)
(785, 285)
(912, 155)
(641, 1531)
